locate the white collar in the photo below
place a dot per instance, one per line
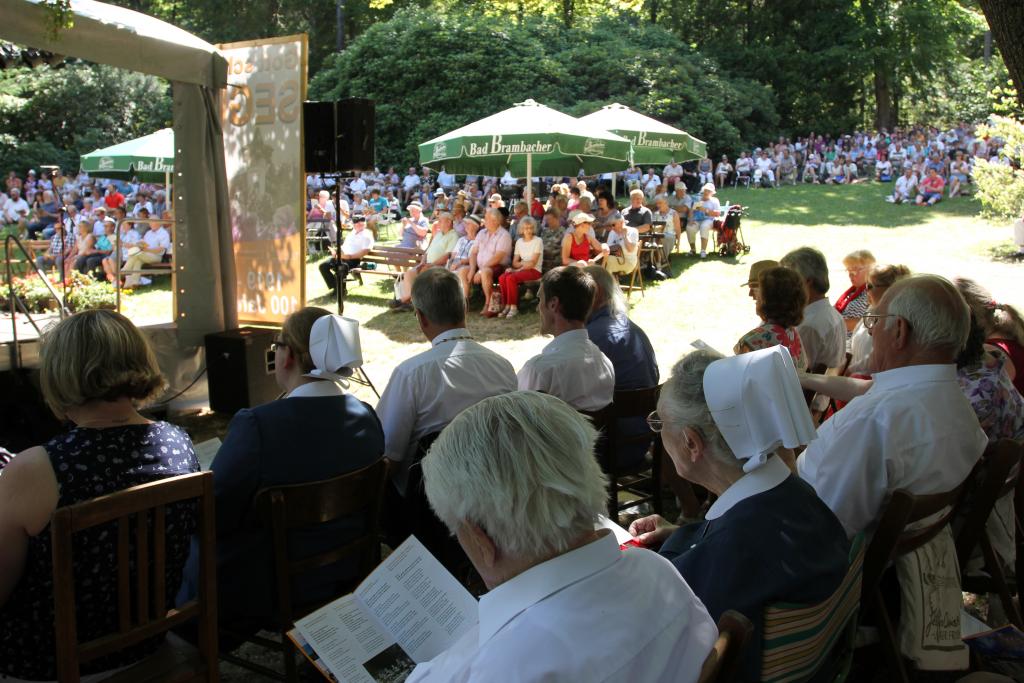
(820, 303)
(456, 334)
(568, 338)
(522, 592)
(762, 479)
(912, 374)
(318, 389)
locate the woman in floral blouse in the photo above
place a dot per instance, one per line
(780, 303)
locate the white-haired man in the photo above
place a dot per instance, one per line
(822, 332)
(426, 391)
(571, 367)
(553, 579)
(913, 429)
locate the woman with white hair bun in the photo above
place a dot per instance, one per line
(768, 537)
(523, 496)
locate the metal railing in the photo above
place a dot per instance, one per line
(16, 304)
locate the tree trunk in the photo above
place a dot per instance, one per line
(568, 9)
(1006, 19)
(885, 111)
(653, 6)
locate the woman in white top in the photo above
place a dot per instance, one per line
(526, 264)
(704, 214)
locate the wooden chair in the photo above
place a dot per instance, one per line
(893, 539)
(997, 475)
(284, 509)
(814, 642)
(140, 516)
(642, 481)
(636, 280)
(723, 662)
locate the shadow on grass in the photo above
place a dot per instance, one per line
(862, 204)
(1003, 252)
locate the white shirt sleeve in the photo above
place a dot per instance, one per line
(397, 412)
(532, 378)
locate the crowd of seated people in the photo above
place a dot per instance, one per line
(79, 217)
(935, 388)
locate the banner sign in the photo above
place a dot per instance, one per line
(262, 119)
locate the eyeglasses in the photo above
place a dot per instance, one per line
(655, 422)
(871, 319)
(278, 344)
(870, 286)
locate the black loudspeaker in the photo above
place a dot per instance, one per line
(339, 136)
(319, 131)
(356, 119)
(240, 368)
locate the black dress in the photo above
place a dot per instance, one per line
(89, 463)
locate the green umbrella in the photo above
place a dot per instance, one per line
(654, 142)
(150, 158)
(529, 140)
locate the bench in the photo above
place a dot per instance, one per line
(394, 260)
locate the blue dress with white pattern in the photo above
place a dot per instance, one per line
(89, 463)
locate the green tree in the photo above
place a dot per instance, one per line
(1001, 186)
(431, 72)
(54, 115)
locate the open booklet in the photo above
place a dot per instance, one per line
(407, 611)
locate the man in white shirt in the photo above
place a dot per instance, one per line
(822, 332)
(906, 187)
(552, 584)
(765, 165)
(358, 244)
(446, 180)
(914, 429)
(357, 186)
(672, 173)
(571, 367)
(154, 244)
(428, 390)
(16, 211)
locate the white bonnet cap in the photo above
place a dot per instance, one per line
(334, 347)
(757, 404)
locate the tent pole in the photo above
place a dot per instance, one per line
(529, 179)
(615, 176)
(167, 190)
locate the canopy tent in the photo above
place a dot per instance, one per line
(654, 142)
(149, 158)
(123, 38)
(528, 139)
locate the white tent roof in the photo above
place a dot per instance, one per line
(117, 36)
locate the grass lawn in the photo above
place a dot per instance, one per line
(704, 300)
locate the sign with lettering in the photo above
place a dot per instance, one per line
(262, 119)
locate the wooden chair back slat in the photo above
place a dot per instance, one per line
(124, 598)
(142, 567)
(159, 558)
(151, 617)
(995, 476)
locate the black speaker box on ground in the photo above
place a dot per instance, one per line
(240, 368)
(339, 136)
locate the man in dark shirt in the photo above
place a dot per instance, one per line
(637, 215)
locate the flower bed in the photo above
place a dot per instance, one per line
(83, 293)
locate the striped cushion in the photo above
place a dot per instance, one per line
(799, 638)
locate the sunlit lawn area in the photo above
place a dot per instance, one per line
(705, 299)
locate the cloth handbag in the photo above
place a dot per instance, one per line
(494, 306)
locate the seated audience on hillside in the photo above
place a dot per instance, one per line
(666, 220)
(92, 249)
(722, 171)
(426, 391)
(153, 246)
(530, 532)
(45, 215)
(822, 331)
(415, 226)
(527, 260)
(853, 303)
(357, 244)
(929, 190)
(442, 242)
(914, 429)
(1001, 324)
(726, 424)
(879, 279)
(109, 447)
(61, 252)
(571, 366)
(959, 174)
(779, 301)
(316, 432)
